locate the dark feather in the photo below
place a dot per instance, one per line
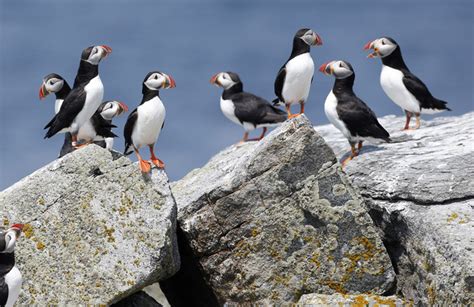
(128, 130)
(279, 81)
(256, 110)
(3, 291)
(418, 89)
(71, 106)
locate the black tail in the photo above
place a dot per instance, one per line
(127, 150)
(277, 102)
(53, 129)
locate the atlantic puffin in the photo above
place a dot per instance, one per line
(246, 109)
(400, 85)
(294, 78)
(10, 276)
(349, 113)
(144, 124)
(97, 128)
(85, 97)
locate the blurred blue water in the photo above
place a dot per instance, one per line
(192, 40)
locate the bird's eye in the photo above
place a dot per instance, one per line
(383, 42)
(51, 82)
(340, 64)
(156, 77)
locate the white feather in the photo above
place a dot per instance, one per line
(57, 105)
(94, 94)
(331, 113)
(391, 81)
(13, 280)
(151, 116)
(299, 72)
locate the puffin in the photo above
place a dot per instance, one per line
(349, 113)
(246, 109)
(108, 110)
(401, 85)
(10, 276)
(294, 78)
(97, 128)
(84, 98)
(145, 123)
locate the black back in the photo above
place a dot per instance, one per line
(251, 108)
(74, 101)
(413, 84)
(357, 116)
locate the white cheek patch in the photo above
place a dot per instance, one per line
(154, 84)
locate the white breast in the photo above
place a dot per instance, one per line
(94, 94)
(299, 72)
(331, 113)
(57, 105)
(392, 84)
(86, 132)
(228, 108)
(151, 116)
(13, 280)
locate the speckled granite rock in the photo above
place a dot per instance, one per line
(96, 230)
(341, 300)
(420, 190)
(275, 219)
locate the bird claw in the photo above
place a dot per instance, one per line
(158, 163)
(145, 166)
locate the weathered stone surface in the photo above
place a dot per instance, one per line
(342, 300)
(420, 190)
(96, 230)
(276, 219)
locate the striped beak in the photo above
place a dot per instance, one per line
(169, 82)
(371, 45)
(43, 92)
(326, 68)
(214, 80)
(106, 49)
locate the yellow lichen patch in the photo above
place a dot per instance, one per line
(431, 294)
(40, 245)
(98, 284)
(336, 286)
(109, 232)
(275, 254)
(41, 201)
(136, 262)
(122, 210)
(28, 231)
(243, 249)
(452, 217)
(385, 301)
(359, 301)
(282, 280)
(255, 232)
(6, 222)
(130, 282)
(315, 259)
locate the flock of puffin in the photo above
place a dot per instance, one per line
(81, 114)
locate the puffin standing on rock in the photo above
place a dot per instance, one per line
(245, 109)
(97, 128)
(10, 276)
(400, 85)
(294, 79)
(347, 112)
(85, 97)
(144, 124)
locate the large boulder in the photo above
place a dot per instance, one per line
(275, 219)
(420, 190)
(96, 230)
(342, 300)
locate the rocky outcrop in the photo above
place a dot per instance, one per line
(275, 219)
(96, 230)
(342, 300)
(420, 191)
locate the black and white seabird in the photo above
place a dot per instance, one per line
(85, 96)
(95, 129)
(10, 276)
(246, 109)
(347, 112)
(144, 124)
(400, 85)
(108, 110)
(294, 79)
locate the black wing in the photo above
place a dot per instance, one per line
(279, 81)
(102, 126)
(3, 291)
(128, 130)
(418, 89)
(256, 110)
(360, 119)
(71, 106)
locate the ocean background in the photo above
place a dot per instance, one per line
(191, 41)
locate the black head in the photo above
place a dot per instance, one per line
(52, 83)
(9, 237)
(308, 36)
(156, 80)
(94, 54)
(339, 69)
(382, 47)
(226, 79)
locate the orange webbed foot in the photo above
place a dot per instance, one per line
(158, 163)
(145, 166)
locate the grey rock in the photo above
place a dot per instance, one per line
(274, 219)
(309, 300)
(96, 230)
(420, 191)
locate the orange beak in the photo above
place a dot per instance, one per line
(43, 92)
(368, 45)
(123, 106)
(171, 82)
(107, 50)
(214, 79)
(319, 41)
